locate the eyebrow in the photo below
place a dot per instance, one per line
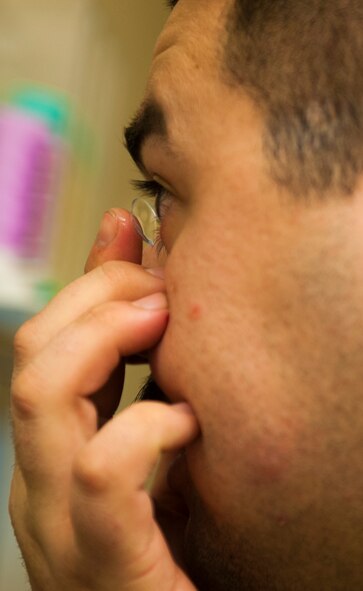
(149, 121)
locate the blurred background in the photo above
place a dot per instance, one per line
(72, 74)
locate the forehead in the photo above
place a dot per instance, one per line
(201, 110)
(186, 58)
(192, 33)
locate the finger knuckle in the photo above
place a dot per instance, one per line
(92, 316)
(103, 315)
(24, 338)
(90, 472)
(115, 272)
(23, 399)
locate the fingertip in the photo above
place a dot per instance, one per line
(117, 239)
(184, 408)
(154, 302)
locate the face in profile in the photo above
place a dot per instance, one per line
(265, 338)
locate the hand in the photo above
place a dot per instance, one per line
(78, 504)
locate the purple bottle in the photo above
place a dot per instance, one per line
(27, 150)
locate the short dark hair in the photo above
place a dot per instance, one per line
(302, 63)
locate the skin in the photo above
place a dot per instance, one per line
(264, 341)
(80, 523)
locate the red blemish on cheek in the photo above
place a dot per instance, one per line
(270, 461)
(195, 312)
(273, 453)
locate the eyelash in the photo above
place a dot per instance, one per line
(153, 189)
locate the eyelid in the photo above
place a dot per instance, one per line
(164, 184)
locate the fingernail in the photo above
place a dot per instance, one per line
(108, 229)
(157, 272)
(156, 301)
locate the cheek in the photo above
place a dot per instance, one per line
(250, 443)
(195, 311)
(268, 462)
(246, 468)
(215, 357)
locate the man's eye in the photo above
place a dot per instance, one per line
(153, 227)
(158, 192)
(162, 204)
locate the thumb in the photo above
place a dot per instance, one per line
(109, 484)
(117, 239)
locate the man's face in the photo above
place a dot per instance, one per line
(265, 338)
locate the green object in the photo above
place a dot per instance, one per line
(51, 107)
(46, 290)
(57, 111)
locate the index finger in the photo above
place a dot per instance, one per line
(112, 281)
(117, 240)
